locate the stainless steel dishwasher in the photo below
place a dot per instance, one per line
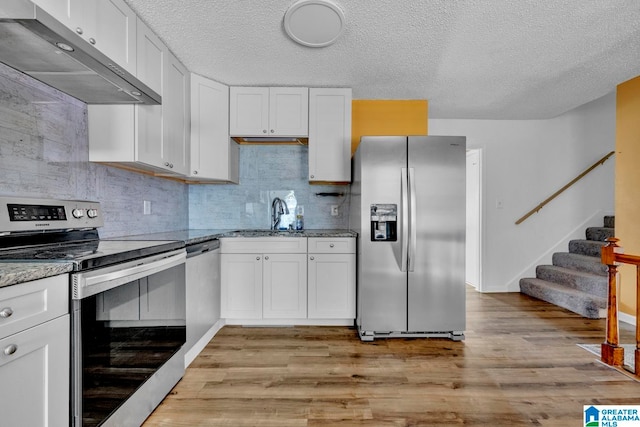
(202, 295)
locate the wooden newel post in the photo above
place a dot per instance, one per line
(611, 353)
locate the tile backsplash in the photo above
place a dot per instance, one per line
(268, 171)
(44, 153)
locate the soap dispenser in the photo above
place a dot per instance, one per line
(300, 218)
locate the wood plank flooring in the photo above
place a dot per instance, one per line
(519, 365)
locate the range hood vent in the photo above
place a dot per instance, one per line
(35, 43)
(274, 140)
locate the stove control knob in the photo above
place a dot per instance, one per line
(77, 213)
(92, 213)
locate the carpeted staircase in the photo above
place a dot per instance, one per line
(577, 280)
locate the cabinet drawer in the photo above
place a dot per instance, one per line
(32, 303)
(259, 245)
(337, 245)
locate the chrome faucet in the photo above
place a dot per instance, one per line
(278, 208)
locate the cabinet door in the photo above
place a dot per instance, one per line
(330, 135)
(68, 12)
(35, 377)
(151, 71)
(213, 154)
(332, 286)
(159, 294)
(285, 286)
(241, 286)
(248, 111)
(175, 116)
(288, 111)
(203, 295)
(112, 29)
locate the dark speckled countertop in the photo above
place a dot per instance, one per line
(12, 272)
(190, 237)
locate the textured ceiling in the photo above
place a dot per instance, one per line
(500, 59)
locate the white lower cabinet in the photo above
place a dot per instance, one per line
(241, 293)
(332, 287)
(266, 280)
(284, 286)
(332, 278)
(34, 353)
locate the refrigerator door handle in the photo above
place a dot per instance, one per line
(413, 230)
(405, 220)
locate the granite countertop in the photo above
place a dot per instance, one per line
(15, 272)
(12, 272)
(193, 236)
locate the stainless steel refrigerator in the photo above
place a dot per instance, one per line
(408, 207)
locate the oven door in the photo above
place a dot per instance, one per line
(128, 329)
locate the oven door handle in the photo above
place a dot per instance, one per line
(90, 283)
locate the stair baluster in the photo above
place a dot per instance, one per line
(612, 354)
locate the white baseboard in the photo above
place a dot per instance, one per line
(193, 352)
(561, 245)
(626, 318)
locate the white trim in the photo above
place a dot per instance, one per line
(290, 322)
(595, 220)
(194, 351)
(627, 318)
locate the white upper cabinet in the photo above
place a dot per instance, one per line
(149, 137)
(176, 124)
(214, 156)
(269, 112)
(329, 135)
(109, 25)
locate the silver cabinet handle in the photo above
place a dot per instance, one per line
(79, 30)
(10, 349)
(264, 131)
(257, 258)
(312, 176)
(272, 131)
(267, 258)
(311, 258)
(331, 245)
(6, 312)
(92, 40)
(195, 172)
(166, 164)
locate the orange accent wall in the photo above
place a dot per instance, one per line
(387, 117)
(627, 183)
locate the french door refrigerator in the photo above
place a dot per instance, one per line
(408, 207)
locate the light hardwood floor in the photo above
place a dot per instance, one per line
(519, 365)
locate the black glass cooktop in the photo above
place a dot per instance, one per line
(87, 254)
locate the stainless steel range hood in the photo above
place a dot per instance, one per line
(31, 41)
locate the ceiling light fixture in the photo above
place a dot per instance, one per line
(314, 23)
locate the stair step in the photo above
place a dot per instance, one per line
(584, 304)
(585, 282)
(610, 221)
(600, 234)
(586, 247)
(588, 264)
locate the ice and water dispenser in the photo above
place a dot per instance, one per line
(384, 223)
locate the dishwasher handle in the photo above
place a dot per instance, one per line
(200, 248)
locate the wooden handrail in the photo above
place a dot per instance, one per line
(557, 193)
(611, 352)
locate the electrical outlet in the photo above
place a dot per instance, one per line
(334, 210)
(147, 207)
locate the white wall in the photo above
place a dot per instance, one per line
(524, 162)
